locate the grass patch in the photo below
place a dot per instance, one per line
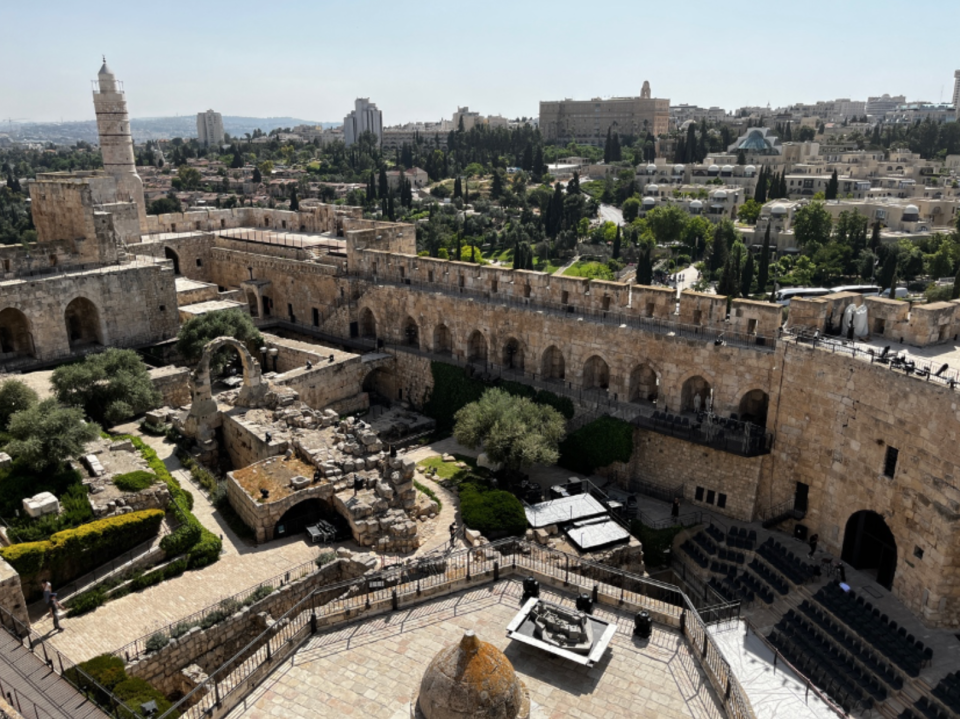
(449, 475)
(135, 481)
(74, 511)
(591, 270)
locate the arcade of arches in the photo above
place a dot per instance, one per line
(442, 341)
(644, 384)
(477, 347)
(596, 373)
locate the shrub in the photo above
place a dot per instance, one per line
(429, 492)
(597, 444)
(257, 594)
(325, 558)
(106, 670)
(181, 539)
(494, 513)
(180, 629)
(134, 481)
(15, 396)
(27, 558)
(133, 692)
(86, 602)
(157, 642)
(19, 481)
(206, 551)
(656, 542)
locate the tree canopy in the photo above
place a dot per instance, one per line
(198, 331)
(109, 386)
(47, 433)
(514, 431)
(14, 397)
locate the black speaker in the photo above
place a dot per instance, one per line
(800, 532)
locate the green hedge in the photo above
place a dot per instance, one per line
(602, 442)
(134, 481)
(452, 390)
(492, 512)
(104, 539)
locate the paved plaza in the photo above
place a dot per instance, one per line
(373, 668)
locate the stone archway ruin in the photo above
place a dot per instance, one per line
(204, 416)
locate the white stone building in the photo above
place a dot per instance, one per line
(210, 128)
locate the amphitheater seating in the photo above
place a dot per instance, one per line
(751, 583)
(695, 554)
(715, 533)
(730, 556)
(705, 543)
(786, 562)
(948, 691)
(770, 576)
(740, 538)
(926, 709)
(869, 658)
(830, 667)
(731, 590)
(884, 635)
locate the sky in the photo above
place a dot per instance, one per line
(419, 61)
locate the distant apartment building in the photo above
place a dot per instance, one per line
(909, 113)
(364, 118)
(679, 114)
(878, 107)
(956, 93)
(429, 133)
(473, 119)
(587, 121)
(210, 128)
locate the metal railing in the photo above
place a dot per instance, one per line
(59, 664)
(134, 650)
(929, 371)
(406, 583)
(573, 313)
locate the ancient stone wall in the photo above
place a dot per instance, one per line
(246, 442)
(834, 420)
(312, 217)
(118, 306)
(11, 593)
(192, 250)
(173, 383)
(205, 292)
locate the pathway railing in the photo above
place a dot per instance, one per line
(406, 584)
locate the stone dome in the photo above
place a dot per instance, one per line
(911, 210)
(649, 201)
(720, 195)
(726, 168)
(678, 169)
(472, 680)
(651, 168)
(653, 188)
(778, 210)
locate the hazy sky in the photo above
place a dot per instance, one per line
(420, 60)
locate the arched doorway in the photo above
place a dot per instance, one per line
(753, 407)
(368, 323)
(301, 515)
(596, 373)
(174, 257)
(869, 545)
(253, 304)
(643, 384)
(442, 340)
(477, 347)
(694, 387)
(512, 354)
(381, 385)
(553, 365)
(83, 323)
(15, 337)
(411, 332)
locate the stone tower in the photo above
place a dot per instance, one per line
(644, 91)
(116, 141)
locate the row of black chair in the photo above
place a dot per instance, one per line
(740, 542)
(757, 587)
(730, 556)
(926, 709)
(743, 533)
(796, 570)
(671, 420)
(731, 591)
(857, 649)
(948, 691)
(705, 543)
(695, 554)
(811, 656)
(876, 628)
(770, 576)
(715, 533)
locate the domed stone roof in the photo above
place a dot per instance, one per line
(472, 680)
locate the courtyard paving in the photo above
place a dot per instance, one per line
(373, 668)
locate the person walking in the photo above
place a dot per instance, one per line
(814, 538)
(50, 599)
(453, 535)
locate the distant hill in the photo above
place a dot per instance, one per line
(151, 128)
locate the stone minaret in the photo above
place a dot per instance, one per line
(116, 142)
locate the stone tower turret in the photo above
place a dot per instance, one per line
(116, 141)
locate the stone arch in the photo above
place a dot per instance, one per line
(380, 382)
(553, 366)
(15, 335)
(410, 334)
(596, 373)
(477, 347)
(368, 323)
(512, 356)
(695, 386)
(869, 545)
(171, 254)
(82, 319)
(442, 339)
(203, 416)
(644, 385)
(298, 517)
(753, 407)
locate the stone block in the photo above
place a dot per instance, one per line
(41, 504)
(299, 482)
(5, 460)
(123, 446)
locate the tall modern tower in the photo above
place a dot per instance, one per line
(364, 118)
(210, 128)
(956, 93)
(116, 142)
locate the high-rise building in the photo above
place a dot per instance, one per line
(956, 92)
(116, 142)
(210, 128)
(364, 118)
(877, 107)
(587, 121)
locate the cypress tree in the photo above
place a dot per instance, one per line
(832, 187)
(615, 151)
(294, 200)
(257, 177)
(616, 244)
(607, 146)
(875, 237)
(384, 187)
(955, 294)
(527, 163)
(763, 273)
(760, 192)
(457, 189)
(746, 277)
(783, 184)
(644, 265)
(537, 171)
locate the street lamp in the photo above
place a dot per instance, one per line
(273, 352)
